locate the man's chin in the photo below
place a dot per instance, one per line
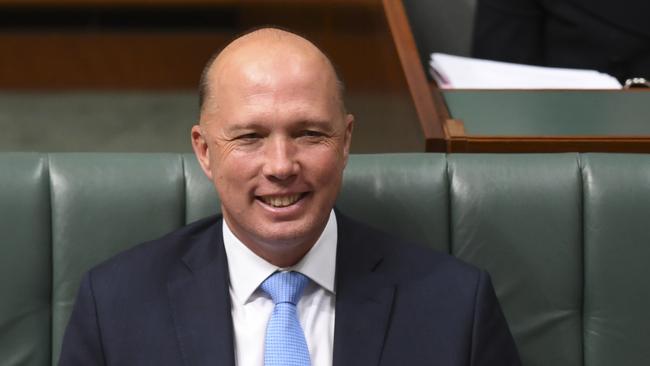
(283, 248)
(290, 233)
(286, 238)
(265, 235)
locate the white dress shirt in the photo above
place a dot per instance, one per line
(252, 308)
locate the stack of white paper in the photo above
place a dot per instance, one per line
(455, 72)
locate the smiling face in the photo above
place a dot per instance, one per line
(274, 139)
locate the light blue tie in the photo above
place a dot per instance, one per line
(285, 343)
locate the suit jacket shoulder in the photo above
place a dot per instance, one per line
(155, 303)
(155, 259)
(401, 303)
(403, 261)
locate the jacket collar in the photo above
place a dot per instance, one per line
(364, 298)
(200, 301)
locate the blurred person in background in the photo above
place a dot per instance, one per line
(609, 36)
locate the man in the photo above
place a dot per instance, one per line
(274, 139)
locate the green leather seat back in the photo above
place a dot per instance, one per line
(201, 198)
(564, 236)
(519, 217)
(617, 259)
(404, 194)
(101, 205)
(25, 260)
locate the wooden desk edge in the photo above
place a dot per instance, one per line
(459, 142)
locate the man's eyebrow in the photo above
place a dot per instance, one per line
(304, 123)
(321, 123)
(243, 126)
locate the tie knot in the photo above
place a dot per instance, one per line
(285, 286)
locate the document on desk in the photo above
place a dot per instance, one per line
(456, 72)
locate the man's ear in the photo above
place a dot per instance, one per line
(349, 126)
(201, 149)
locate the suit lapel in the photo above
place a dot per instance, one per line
(200, 302)
(364, 300)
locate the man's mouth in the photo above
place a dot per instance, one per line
(281, 200)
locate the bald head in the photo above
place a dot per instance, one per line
(268, 50)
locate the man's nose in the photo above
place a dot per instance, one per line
(280, 162)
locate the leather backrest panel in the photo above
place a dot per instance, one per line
(25, 260)
(103, 204)
(519, 217)
(564, 236)
(404, 194)
(617, 259)
(201, 198)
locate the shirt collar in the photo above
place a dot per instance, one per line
(247, 270)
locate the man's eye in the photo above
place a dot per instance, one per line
(249, 137)
(311, 133)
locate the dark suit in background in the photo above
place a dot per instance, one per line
(605, 35)
(167, 302)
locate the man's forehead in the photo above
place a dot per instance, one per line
(283, 75)
(281, 104)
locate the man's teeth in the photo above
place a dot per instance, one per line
(281, 201)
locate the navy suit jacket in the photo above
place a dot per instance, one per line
(167, 302)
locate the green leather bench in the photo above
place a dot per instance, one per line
(566, 237)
